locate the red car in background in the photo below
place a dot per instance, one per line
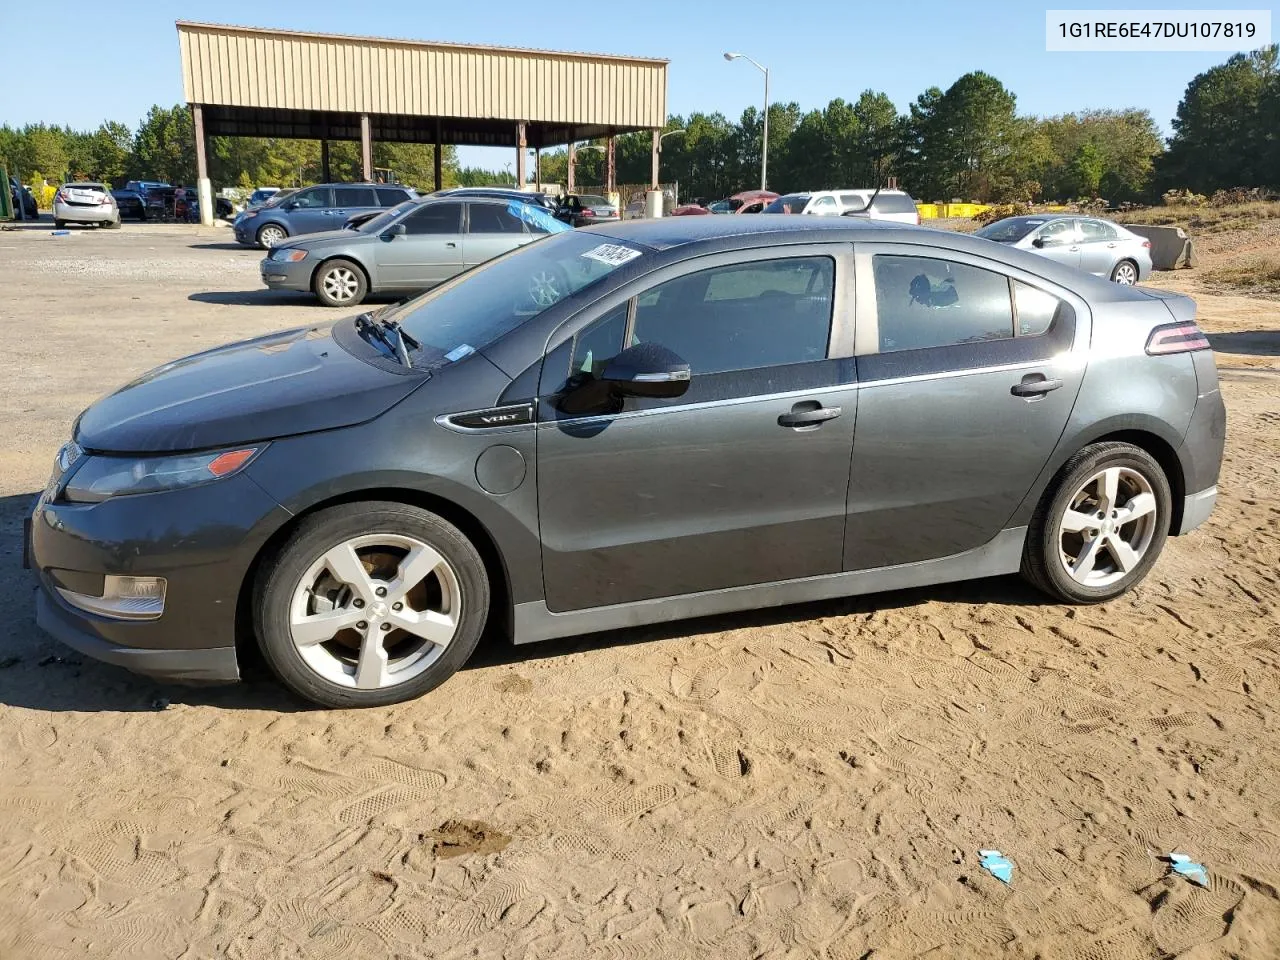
(748, 201)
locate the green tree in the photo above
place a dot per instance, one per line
(164, 146)
(1225, 134)
(1087, 168)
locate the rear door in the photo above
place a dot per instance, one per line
(1098, 241)
(349, 201)
(968, 370)
(491, 229)
(427, 253)
(742, 480)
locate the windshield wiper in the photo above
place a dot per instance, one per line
(366, 325)
(402, 341)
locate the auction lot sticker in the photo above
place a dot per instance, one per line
(1139, 31)
(614, 254)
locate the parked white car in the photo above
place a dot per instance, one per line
(85, 202)
(892, 205)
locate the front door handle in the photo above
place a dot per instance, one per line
(451, 245)
(802, 416)
(1034, 385)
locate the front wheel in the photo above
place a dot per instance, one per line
(370, 604)
(1125, 273)
(1100, 528)
(340, 283)
(270, 235)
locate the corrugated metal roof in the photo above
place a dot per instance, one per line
(256, 68)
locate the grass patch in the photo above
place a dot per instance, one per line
(1256, 276)
(1205, 219)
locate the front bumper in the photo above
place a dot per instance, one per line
(284, 275)
(69, 627)
(202, 540)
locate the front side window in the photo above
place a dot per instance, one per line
(824, 205)
(790, 203)
(923, 302)
(1058, 232)
(435, 218)
(740, 317)
(312, 199)
(493, 218)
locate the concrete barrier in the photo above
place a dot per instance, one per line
(1170, 246)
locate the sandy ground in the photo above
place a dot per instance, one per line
(814, 781)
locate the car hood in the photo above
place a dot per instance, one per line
(297, 381)
(317, 239)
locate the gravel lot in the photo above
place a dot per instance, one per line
(807, 782)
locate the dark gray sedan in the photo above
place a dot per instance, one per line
(407, 249)
(700, 414)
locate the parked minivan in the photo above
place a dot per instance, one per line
(317, 209)
(891, 205)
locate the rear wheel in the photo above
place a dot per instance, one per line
(59, 224)
(1125, 273)
(1100, 528)
(370, 604)
(111, 224)
(340, 283)
(270, 235)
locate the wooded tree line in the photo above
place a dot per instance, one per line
(967, 141)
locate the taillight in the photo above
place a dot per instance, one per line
(60, 197)
(1146, 244)
(1176, 338)
(588, 212)
(106, 199)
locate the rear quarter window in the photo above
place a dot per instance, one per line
(894, 203)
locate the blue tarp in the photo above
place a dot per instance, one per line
(536, 216)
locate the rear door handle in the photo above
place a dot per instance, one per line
(808, 417)
(451, 245)
(1034, 385)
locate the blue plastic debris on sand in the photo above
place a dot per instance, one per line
(1195, 872)
(998, 865)
(60, 233)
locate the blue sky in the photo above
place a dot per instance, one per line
(115, 61)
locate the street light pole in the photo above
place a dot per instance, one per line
(764, 146)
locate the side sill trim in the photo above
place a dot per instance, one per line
(1001, 555)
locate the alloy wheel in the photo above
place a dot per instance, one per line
(375, 611)
(270, 236)
(1126, 274)
(340, 284)
(1107, 527)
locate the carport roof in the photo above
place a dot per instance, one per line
(252, 81)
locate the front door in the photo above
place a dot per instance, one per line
(967, 377)
(491, 229)
(1058, 241)
(743, 480)
(309, 211)
(427, 253)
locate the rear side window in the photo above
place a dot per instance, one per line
(389, 197)
(354, 197)
(493, 218)
(435, 218)
(924, 302)
(894, 203)
(740, 317)
(852, 201)
(1093, 231)
(791, 203)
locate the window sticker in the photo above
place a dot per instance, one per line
(615, 255)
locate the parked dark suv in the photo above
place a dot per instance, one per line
(318, 209)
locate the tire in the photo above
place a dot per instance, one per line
(270, 234)
(1053, 544)
(1125, 273)
(300, 588)
(59, 224)
(111, 224)
(340, 283)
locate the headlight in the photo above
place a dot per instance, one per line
(291, 254)
(249, 214)
(98, 478)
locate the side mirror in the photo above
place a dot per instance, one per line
(647, 370)
(393, 231)
(1043, 242)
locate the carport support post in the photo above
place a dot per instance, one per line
(610, 169)
(204, 190)
(537, 169)
(439, 159)
(657, 154)
(522, 147)
(573, 156)
(366, 149)
(325, 177)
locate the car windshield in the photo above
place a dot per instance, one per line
(278, 198)
(1010, 230)
(482, 305)
(590, 200)
(385, 219)
(791, 203)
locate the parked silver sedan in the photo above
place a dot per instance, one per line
(85, 202)
(409, 248)
(1095, 246)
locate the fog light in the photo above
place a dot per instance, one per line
(123, 598)
(276, 276)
